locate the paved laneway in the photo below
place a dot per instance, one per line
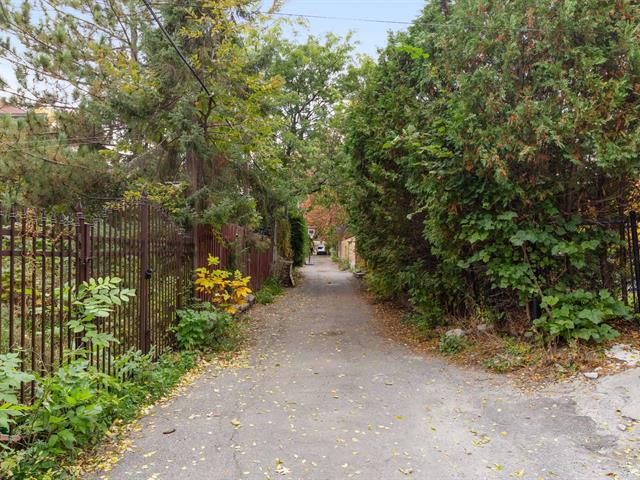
(325, 398)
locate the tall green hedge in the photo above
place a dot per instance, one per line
(482, 143)
(299, 239)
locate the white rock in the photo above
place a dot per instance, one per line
(456, 332)
(624, 353)
(591, 375)
(483, 327)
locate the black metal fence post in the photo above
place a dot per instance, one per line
(635, 254)
(82, 258)
(144, 283)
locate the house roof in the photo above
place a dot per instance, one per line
(12, 110)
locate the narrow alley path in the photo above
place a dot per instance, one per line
(326, 398)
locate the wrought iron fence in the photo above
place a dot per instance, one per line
(43, 257)
(630, 261)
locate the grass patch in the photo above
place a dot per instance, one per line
(270, 289)
(205, 328)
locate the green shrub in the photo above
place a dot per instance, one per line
(76, 405)
(134, 365)
(283, 239)
(73, 385)
(72, 406)
(203, 327)
(580, 315)
(10, 379)
(299, 239)
(452, 344)
(383, 287)
(503, 363)
(166, 372)
(423, 323)
(264, 297)
(270, 289)
(515, 355)
(147, 380)
(434, 291)
(344, 264)
(95, 300)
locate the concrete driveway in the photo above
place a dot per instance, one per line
(326, 398)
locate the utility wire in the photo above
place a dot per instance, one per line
(175, 47)
(416, 22)
(182, 57)
(324, 17)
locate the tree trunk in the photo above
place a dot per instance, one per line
(444, 6)
(196, 177)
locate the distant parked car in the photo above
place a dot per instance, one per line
(321, 249)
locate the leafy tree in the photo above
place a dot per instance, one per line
(306, 145)
(325, 213)
(45, 166)
(485, 140)
(133, 89)
(248, 151)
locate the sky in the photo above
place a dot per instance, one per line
(369, 35)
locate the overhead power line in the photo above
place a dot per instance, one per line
(175, 47)
(300, 15)
(398, 22)
(348, 19)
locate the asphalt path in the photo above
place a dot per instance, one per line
(323, 396)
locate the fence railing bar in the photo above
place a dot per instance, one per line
(60, 299)
(43, 292)
(23, 297)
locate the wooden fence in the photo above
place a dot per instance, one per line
(237, 248)
(43, 257)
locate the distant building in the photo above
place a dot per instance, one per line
(12, 111)
(349, 251)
